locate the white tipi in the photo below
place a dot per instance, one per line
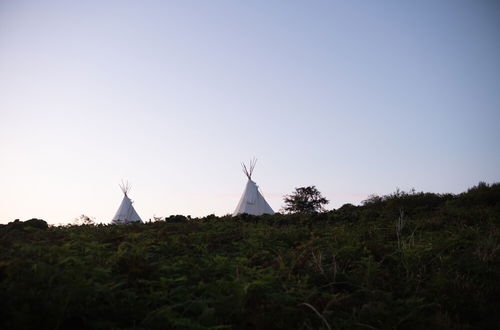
(126, 212)
(252, 201)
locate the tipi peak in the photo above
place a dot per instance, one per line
(125, 187)
(249, 170)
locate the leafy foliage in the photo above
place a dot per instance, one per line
(434, 265)
(305, 199)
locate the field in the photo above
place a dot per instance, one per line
(404, 261)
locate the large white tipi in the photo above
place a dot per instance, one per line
(252, 201)
(126, 212)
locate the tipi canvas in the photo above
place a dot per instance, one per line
(126, 212)
(252, 201)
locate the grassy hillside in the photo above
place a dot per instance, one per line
(407, 261)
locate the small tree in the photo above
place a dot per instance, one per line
(305, 199)
(83, 220)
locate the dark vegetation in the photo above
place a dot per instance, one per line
(404, 261)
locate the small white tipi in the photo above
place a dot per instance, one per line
(252, 201)
(126, 212)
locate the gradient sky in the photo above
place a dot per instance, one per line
(355, 97)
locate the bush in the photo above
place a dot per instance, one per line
(435, 265)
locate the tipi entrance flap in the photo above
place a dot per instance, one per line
(251, 192)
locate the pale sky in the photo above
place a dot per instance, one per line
(355, 97)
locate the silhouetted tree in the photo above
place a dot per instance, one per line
(305, 199)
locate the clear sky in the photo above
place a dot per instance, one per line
(355, 97)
